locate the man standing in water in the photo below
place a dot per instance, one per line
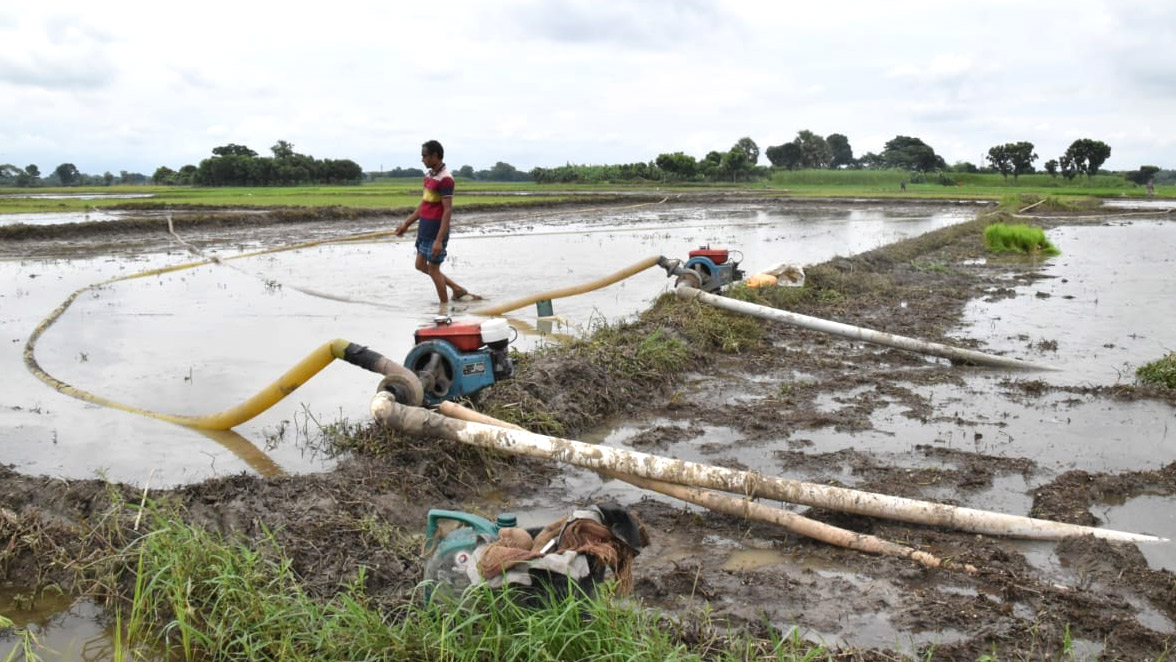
(434, 213)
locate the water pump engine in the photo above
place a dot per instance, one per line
(708, 269)
(458, 359)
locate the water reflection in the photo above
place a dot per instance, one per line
(55, 628)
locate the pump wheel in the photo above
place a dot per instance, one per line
(693, 277)
(405, 388)
(435, 370)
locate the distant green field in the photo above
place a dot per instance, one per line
(405, 193)
(391, 195)
(888, 183)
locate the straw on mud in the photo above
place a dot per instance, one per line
(143, 501)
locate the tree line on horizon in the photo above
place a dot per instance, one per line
(810, 151)
(238, 165)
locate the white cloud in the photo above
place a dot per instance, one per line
(124, 86)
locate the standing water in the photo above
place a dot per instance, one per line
(201, 340)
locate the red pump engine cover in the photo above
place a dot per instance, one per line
(466, 336)
(716, 255)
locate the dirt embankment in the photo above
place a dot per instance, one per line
(369, 511)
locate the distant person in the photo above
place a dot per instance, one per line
(902, 185)
(434, 214)
(1151, 187)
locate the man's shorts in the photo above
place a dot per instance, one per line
(425, 247)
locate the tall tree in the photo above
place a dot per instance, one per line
(871, 161)
(1142, 176)
(785, 156)
(504, 172)
(1022, 156)
(186, 176)
(283, 149)
(998, 157)
(163, 175)
(233, 149)
(909, 153)
(842, 152)
(677, 165)
(9, 172)
(735, 162)
(28, 176)
(749, 148)
(814, 150)
(1051, 166)
(67, 173)
(1088, 155)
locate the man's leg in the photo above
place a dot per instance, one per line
(438, 281)
(425, 266)
(458, 290)
(433, 271)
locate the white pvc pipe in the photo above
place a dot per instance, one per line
(415, 420)
(855, 332)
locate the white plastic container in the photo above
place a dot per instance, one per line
(495, 330)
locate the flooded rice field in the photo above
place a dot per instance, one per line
(201, 340)
(1073, 443)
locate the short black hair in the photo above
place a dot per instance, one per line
(433, 147)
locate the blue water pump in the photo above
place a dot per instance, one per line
(459, 359)
(713, 268)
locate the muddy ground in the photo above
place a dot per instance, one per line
(370, 510)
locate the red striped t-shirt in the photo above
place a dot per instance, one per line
(438, 184)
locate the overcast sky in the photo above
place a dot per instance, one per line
(112, 86)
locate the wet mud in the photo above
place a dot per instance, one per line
(755, 395)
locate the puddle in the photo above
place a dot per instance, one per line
(201, 340)
(55, 218)
(64, 630)
(1109, 311)
(746, 560)
(77, 196)
(1147, 514)
(1139, 203)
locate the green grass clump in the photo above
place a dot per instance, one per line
(1161, 372)
(198, 596)
(1018, 238)
(1037, 202)
(705, 327)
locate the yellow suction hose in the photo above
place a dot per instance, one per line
(397, 379)
(570, 290)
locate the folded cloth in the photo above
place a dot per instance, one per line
(607, 535)
(512, 548)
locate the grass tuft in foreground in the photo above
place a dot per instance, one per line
(200, 597)
(1161, 372)
(1018, 238)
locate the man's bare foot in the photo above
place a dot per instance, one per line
(465, 295)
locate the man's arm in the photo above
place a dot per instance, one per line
(412, 218)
